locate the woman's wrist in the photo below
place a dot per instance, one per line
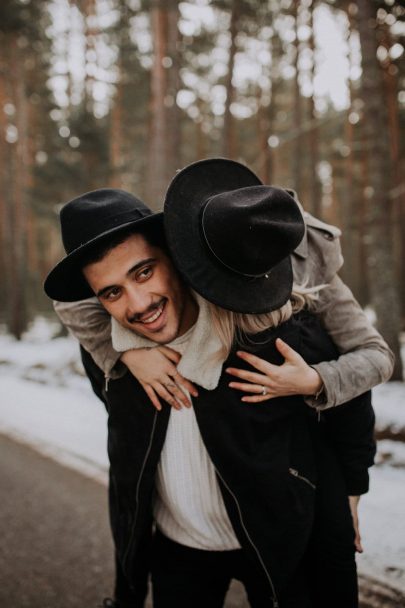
(314, 384)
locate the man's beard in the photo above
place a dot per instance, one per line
(137, 318)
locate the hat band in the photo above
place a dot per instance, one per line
(243, 274)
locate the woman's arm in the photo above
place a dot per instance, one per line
(364, 358)
(90, 323)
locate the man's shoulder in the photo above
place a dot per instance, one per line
(318, 257)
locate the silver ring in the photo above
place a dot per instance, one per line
(264, 390)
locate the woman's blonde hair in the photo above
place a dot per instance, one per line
(235, 327)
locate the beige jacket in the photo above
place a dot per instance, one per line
(365, 359)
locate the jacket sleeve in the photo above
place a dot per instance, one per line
(89, 322)
(94, 374)
(365, 359)
(350, 428)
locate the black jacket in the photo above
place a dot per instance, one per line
(265, 456)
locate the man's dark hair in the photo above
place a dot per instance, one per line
(154, 235)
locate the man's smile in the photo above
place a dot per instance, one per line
(154, 318)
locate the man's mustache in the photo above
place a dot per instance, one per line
(150, 310)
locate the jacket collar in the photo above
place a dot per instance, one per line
(302, 249)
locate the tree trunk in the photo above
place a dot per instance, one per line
(296, 156)
(157, 178)
(397, 192)
(15, 199)
(173, 117)
(315, 193)
(379, 204)
(229, 138)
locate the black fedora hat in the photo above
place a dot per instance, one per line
(231, 237)
(86, 222)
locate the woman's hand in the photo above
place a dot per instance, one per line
(293, 377)
(156, 371)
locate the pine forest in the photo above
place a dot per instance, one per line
(310, 94)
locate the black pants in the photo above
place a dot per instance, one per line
(183, 577)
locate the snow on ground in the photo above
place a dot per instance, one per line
(46, 401)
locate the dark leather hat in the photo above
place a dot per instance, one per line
(86, 222)
(231, 237)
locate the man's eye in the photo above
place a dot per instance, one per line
(112, 294)
(145, 273)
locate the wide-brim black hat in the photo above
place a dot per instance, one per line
(231, 237)
(86, 223)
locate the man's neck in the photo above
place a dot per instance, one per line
(190, 316)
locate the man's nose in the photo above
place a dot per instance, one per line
(138, 301)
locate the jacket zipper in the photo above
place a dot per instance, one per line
(148, 449)
(295, 473)
(275, 600)
(106, 382)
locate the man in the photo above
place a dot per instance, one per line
(163, 308)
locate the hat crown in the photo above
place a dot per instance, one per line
(250, 230)
(95, 213)
(231, 237)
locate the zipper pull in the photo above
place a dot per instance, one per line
(106, 381)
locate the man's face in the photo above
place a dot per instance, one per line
(138, 286)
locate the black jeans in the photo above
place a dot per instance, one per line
(183, 577)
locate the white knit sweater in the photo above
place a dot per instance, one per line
(189, 507)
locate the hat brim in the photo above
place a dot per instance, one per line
(184, 201)
(66, 282)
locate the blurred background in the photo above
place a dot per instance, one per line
(309, 93)
(122, 93)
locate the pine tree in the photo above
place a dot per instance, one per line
(379, 210)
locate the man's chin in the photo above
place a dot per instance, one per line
(161, 336)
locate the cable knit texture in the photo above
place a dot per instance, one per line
(189, 507)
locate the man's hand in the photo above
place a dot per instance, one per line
(354, 503)
(156, 371)
(293, 377)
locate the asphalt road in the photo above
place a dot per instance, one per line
(55, 548)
